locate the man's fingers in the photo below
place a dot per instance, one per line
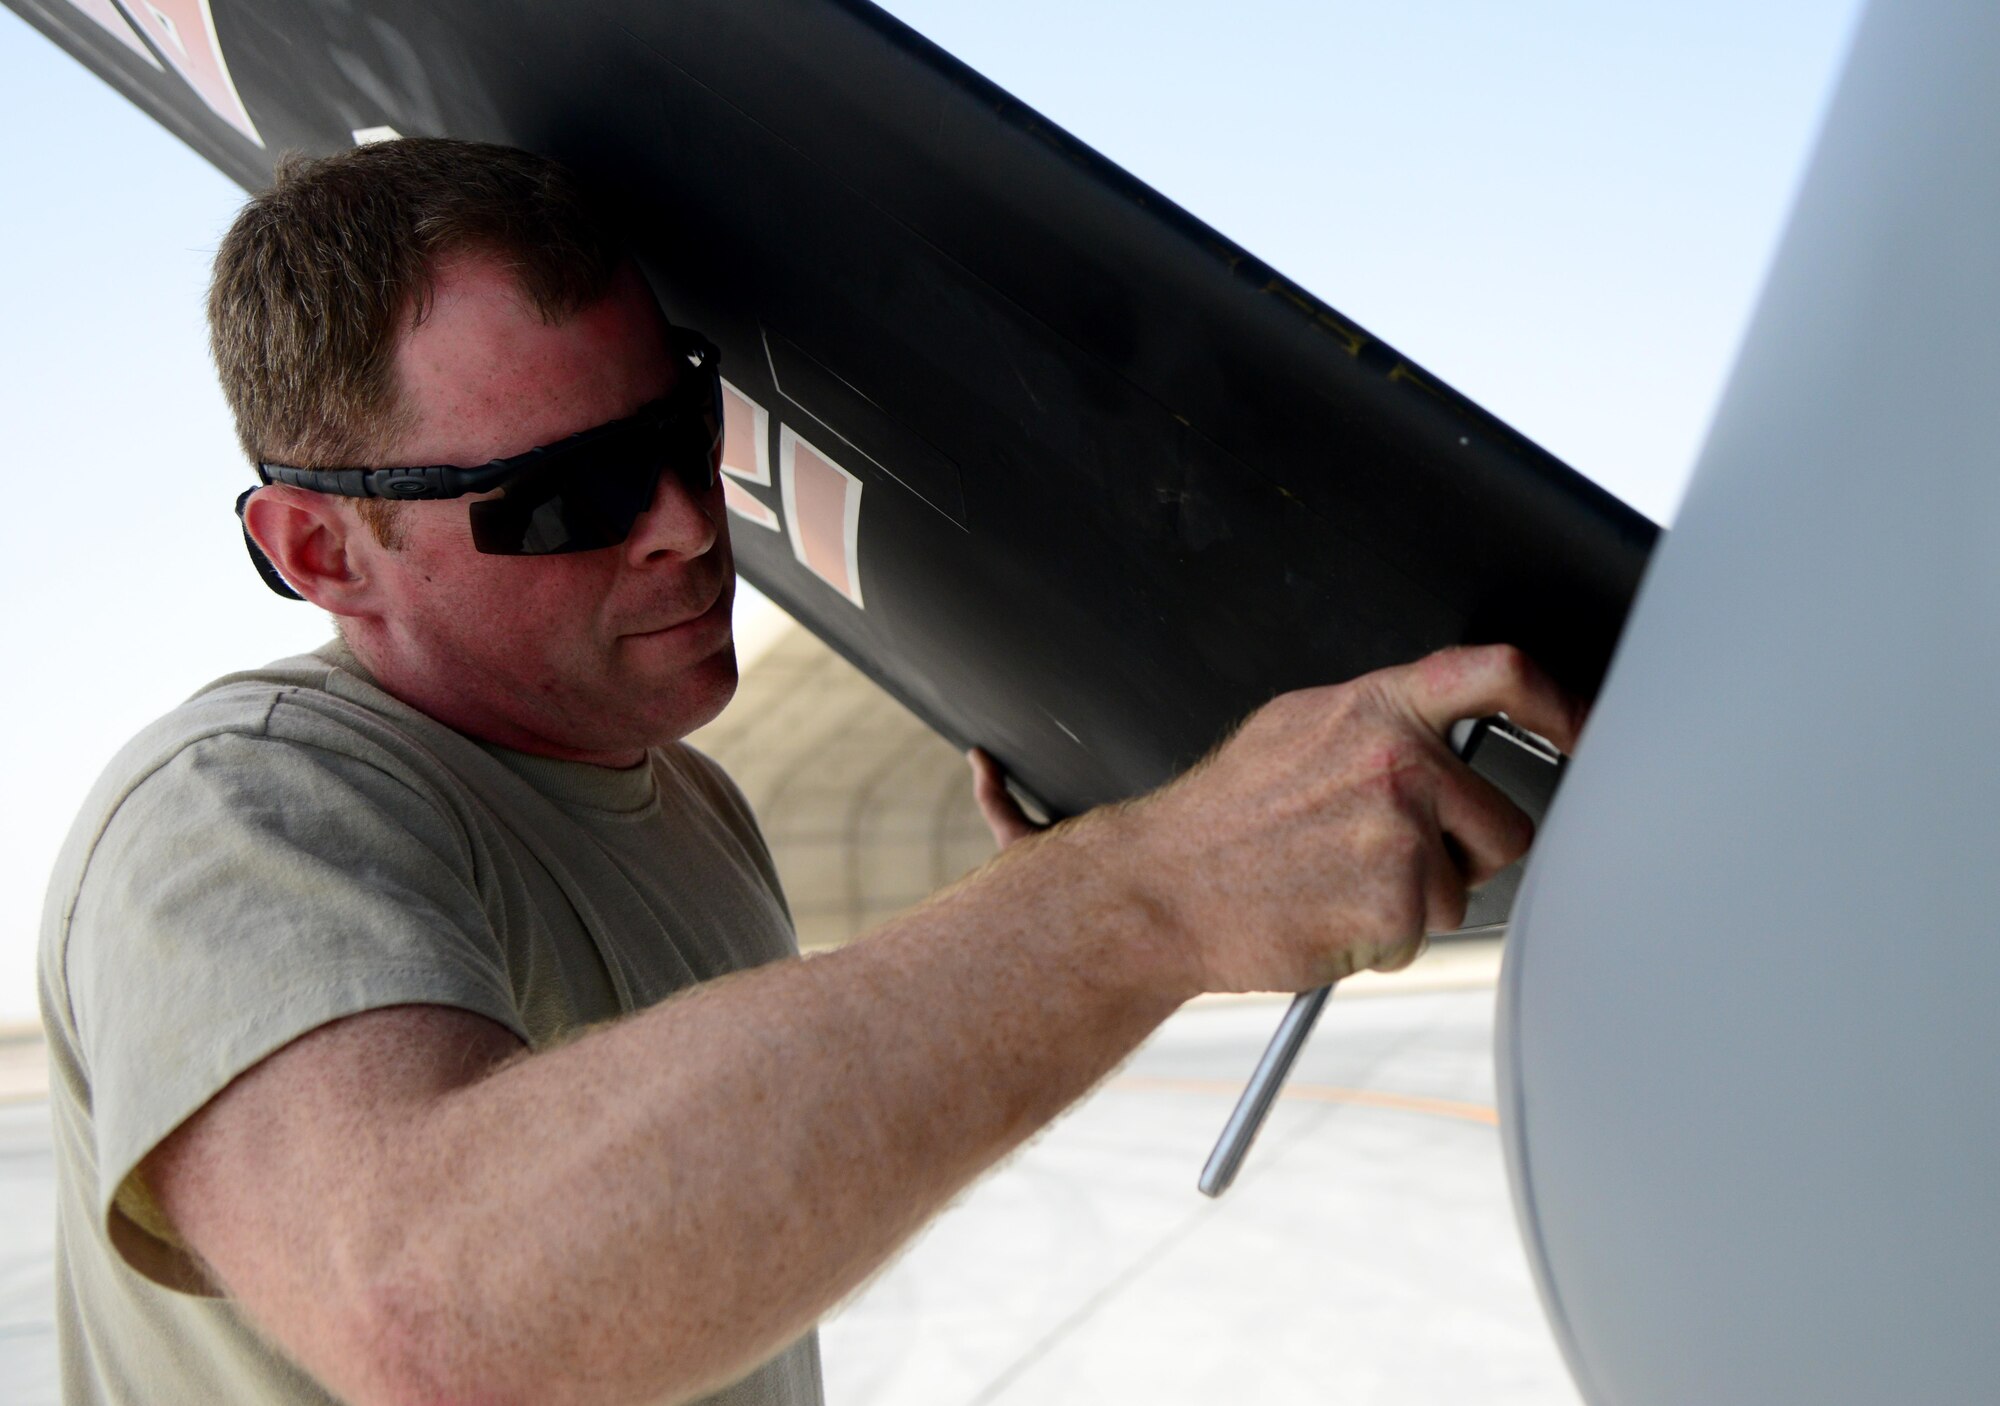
(1477, 681)
(1004, 817)
(1444, 886)
(1490, 831)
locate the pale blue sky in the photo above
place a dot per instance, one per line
(1562, 207)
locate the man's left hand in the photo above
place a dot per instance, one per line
(1004, 816)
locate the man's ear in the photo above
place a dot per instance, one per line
(315, 543)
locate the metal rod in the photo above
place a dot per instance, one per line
(1262, 1091)
(1254, 1107)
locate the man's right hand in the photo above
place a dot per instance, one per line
(1336, 828)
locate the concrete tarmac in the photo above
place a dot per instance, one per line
(1366, 1255)
(27, 1248)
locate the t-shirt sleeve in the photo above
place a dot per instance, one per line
(250, 890)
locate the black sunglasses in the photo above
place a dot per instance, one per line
(575, 495)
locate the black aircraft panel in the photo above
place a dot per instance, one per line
(1070, 474)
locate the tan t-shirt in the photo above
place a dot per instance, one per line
(290, 846)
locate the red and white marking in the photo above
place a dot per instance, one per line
(739, 501)
(822, 513)
(111, 22)
(746, 455)
(746, 437)
(184, 31)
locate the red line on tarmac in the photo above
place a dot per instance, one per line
(1321, 1093)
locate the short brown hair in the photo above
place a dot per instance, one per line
(320, 275)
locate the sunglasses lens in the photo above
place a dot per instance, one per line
(588, 495)
(576, 502)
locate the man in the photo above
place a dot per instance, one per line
(323, 949)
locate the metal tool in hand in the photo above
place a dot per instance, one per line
(1527, 771)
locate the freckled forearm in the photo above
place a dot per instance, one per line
(666, 1202)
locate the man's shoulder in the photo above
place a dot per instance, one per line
(306, 700)
(300, 752)
(266, 732)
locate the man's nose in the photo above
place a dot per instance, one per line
(678, 522)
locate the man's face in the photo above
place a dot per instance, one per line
(593, 655)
